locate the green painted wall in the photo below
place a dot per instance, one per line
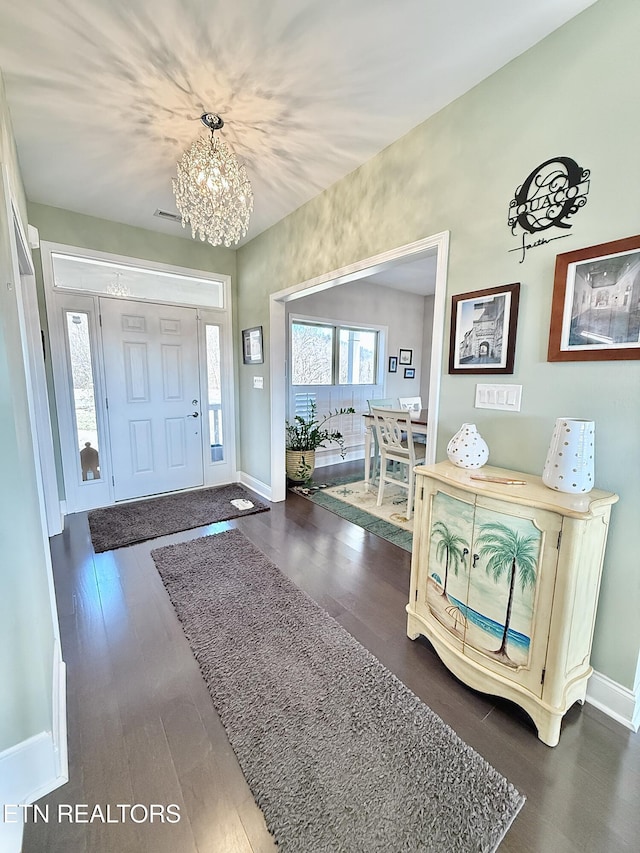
(574, 94)
(26, 623)
(88, 232)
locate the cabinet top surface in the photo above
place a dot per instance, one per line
(532, 493)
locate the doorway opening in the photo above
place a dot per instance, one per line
(435, 246)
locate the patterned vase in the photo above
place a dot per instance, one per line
(570, 460)
(467, 448)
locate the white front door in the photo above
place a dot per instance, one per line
(153, 393)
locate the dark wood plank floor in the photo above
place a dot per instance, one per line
(142, 728)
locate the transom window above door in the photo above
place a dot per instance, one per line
(324, 354)
(109, 278)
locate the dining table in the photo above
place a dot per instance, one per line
(418, 427)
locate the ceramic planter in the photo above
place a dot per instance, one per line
(300, 465)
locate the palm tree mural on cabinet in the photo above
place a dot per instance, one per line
(513, 555)
(488, 594)
(504, 585)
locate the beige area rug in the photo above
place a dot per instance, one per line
(349, 500)
(394, 503)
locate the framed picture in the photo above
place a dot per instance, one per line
(393, 364)
(595, 312)
(252, 346)
(409, 373)
(483, 330)
(405, 356)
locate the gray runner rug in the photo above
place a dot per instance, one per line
(340, 755)
(128, 523)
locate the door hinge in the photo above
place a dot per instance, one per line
(559, 539)
(416, 595)
(106, 401)
(113, 481)
(100, 320)
(544, 672)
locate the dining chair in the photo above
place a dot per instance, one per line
(389, 425)
(382, 403)
(413, 405)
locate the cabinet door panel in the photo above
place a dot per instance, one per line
(511, 586)
(446, 578)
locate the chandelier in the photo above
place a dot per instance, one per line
(212, 189)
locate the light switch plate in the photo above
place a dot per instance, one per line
(258, 381)
(505, 397)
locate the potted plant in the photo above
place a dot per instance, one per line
(304, 436)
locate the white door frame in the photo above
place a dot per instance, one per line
(55, 298)
(37, 395)
(352, 272)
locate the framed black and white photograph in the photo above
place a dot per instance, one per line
(595, 312)
(393, 364)
(483, 330)
(405, 356)
(409, 373)
(252, 346)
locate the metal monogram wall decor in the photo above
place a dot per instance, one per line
(549, 197)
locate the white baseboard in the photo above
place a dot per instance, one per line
(59, 705)
(255, 485)
(333, 456)
(614, 700)
(36, 766)
(27, 772)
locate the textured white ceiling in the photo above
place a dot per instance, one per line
(105, 95)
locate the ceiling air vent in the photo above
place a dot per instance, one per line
(166, 214)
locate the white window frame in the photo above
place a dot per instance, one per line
(337, 395)
(218, 317)
(337, 326)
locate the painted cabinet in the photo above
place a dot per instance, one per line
(504, 584)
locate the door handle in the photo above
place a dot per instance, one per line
(194, 415)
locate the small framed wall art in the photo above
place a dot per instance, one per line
(405, 356)
(409, 373)
(252, 352)
(393, 364)
(483, 330)
(595, 312)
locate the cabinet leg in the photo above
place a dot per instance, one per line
(549, 728)
(413, 628)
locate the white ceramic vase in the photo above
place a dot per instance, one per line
(467, 448)
(570, 460)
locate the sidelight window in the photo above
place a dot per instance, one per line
(83, 392)
(214, 393)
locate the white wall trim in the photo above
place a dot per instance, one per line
(59, 707)
(614, 700)
(34, 236)
(27, 772)
(37, 394)
(255, 485)
(352, 272)
(37, 765)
